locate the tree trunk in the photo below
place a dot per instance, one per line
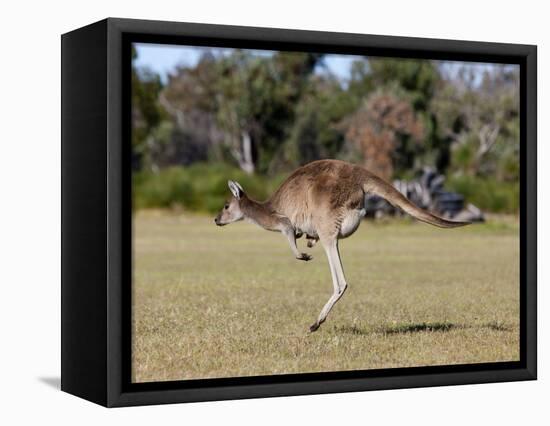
(244, 155)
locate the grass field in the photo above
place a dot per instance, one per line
(232, 301)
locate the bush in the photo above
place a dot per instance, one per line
(200, 187)
(488, 194)
(203, 188)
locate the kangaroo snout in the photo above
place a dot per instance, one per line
(218, 221)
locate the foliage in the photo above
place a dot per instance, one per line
(315, 132)
(242, 102)
(146, 110)
(489, 194)
(481, 122)
(266, 114)
(381, 129)
(200, 187)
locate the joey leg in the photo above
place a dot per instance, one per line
(291, 236)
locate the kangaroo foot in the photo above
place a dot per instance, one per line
(314, 327)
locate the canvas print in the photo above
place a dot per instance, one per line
(298, 212)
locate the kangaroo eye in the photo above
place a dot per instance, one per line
(226, 206)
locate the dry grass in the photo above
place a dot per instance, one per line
(232, 301)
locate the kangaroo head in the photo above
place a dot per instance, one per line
(231, 211)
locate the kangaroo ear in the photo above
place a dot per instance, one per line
(236, 189)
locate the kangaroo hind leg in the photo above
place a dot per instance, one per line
(338, 280)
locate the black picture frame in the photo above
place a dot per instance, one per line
(96, 212)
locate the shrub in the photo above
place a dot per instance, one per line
(200, 187)
(164, 189)
(488, 194)
(203, 188)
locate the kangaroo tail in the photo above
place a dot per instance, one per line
(375, 185)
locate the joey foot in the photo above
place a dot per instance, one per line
(304, 256)
(311, 242)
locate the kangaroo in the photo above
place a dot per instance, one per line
(325, 201)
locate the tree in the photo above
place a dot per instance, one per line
(383, 129)
(479, 115)
(190, 99)
(405, 81)
(147, 113)
(314, 132)
(258, 98)
(242, 104)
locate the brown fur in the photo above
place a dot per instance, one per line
(324, 189)
(324, 200)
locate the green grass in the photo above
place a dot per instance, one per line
(232, 301)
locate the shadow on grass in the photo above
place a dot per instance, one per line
(352, 329)
(497, 326)
(416, 328)
(397, 329)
